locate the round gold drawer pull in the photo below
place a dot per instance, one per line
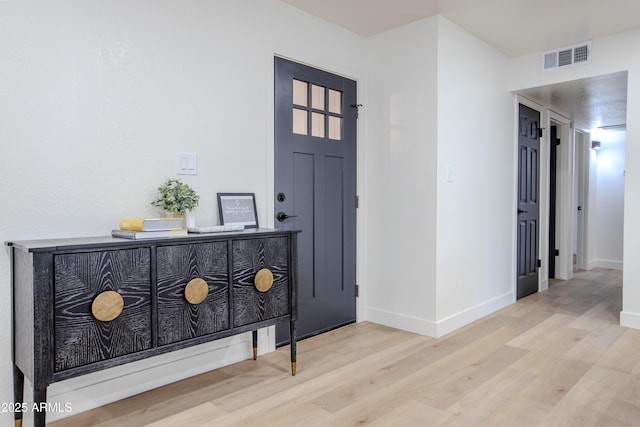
(196, 291)
(263, 280)
(107, 306)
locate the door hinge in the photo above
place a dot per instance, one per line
(556, 252)
(539, 132)
(357, 202)
(539, 263)
(357, 291)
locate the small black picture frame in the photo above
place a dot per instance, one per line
(238, 209)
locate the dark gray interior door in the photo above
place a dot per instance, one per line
(315, 188)
(528, 200)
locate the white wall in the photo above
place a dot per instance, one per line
(400, 177)
(439, 253)
(609, 55)
(609, 214)
(476, 210)
(97, 97)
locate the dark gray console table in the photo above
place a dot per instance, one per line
(83, 305)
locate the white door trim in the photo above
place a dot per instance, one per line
(565, 204)
(583, 150)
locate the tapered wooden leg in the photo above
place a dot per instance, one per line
(39, 416)
(18, 393)
(292, 338)
(254, 335)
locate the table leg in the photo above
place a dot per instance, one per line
(39, 412)
(254, 336)
(18, 394)
(292, 338)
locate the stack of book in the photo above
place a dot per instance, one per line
(150, 228)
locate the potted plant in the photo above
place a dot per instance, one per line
(176, 198)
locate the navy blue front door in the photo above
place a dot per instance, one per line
(315, 190)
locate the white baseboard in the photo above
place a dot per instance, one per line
(100, 388)
(604, 263)
(472, 314)
(442, 327)
(630, 320)
(611, 264)
(401, 321)
(543, 285)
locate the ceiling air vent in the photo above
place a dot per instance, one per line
(566, 56)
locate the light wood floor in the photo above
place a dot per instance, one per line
(557, 358)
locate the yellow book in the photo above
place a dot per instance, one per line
(150, 224)
(159, 234)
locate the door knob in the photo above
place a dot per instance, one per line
(281, 216)
(521, 211)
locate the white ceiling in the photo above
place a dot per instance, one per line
(595, 102)
(515, 27)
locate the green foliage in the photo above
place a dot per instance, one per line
(176, 196)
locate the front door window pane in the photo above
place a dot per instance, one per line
(335, 128)
(300, 121)
(317, 125)
(335, 101)
(300, 93)
(317, 97)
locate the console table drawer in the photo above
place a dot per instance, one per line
(249, 257)
(80, 338)
(206, 264)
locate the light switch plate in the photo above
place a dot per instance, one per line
(186, 164)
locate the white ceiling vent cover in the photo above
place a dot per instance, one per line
(566, 56)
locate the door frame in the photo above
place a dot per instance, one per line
(583, 153)
(565, 195)
(269, 183)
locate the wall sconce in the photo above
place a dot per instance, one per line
(596, 145)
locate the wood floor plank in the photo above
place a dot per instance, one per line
(196, 416)
(485, 404)
(551, 334)
(595, 345)
(585, 403)
(408, 413)
(327, 373)
(620, 413)
(443, 387)
(624, 354)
